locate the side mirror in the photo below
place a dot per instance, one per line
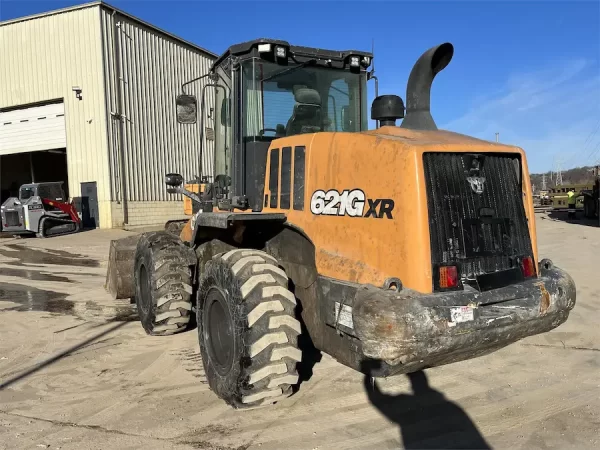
(173, 182)
(346, 121)
(187, 109)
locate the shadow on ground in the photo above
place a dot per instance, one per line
(6, 383)
(563, 216)
(427, 419)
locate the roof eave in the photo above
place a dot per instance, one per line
(109, 7)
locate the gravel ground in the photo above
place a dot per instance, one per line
(78, 372)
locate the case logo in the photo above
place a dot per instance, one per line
(477, 184)
(353, 203)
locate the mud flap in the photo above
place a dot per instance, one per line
(119, 276)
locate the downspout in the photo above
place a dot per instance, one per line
(118, 115)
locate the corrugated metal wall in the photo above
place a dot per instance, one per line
(41, 60)
(152, 67)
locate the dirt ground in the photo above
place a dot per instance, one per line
(78, 372)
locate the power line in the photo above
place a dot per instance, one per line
(592, 134)
(587, 141)
(593, 153)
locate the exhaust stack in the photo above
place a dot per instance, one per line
(418, 89)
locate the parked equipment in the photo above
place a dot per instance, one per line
(393, 250)
(591, 198)
(41, 208)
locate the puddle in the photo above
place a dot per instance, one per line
(34, 275)
(29, 255)
(29, 298)
(33, 299)
(111, 313)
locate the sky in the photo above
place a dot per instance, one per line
(529, 71)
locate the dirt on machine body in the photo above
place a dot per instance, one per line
(393, 250)
(41, 209)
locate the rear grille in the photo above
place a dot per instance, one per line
(483, 232)
(12, 218)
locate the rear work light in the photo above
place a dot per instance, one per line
(448, 277)
(528, 267)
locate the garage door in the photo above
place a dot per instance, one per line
(33, 129)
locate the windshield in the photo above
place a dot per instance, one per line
(26, 193)
(51, 192)
(284, 101)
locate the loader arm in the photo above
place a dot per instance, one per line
(67, 208)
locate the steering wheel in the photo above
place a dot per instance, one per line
(262, 132)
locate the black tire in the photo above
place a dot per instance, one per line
(247, 328)
(163, 284)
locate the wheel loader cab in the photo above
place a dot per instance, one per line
(266, 90)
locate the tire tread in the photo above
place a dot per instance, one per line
(171, 283)
(270, 327)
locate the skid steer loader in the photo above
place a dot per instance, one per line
(41, 209)
(407, 246)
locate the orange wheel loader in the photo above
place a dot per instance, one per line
(393, 249)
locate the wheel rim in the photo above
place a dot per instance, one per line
(218, 331)
(144, 289)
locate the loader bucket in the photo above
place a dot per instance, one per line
(119, 277)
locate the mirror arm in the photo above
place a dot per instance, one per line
(193, 81)
(190, 194)
(184, 191)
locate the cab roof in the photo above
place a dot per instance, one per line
(299, 53)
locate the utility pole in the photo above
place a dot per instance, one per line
(559, 180)
(544, 182)
(497, 136)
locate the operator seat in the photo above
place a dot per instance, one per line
(306, 117)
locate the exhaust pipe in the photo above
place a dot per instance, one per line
(418, 89)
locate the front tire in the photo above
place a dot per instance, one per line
(247, 328)
(163, 284)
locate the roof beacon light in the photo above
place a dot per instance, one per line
(264, 48)
(280, 52)
(354, 61)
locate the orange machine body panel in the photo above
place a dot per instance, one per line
(385, 164)
(187, 202)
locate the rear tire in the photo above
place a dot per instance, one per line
(163, 284)
(247, 328)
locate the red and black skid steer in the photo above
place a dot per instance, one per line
(40, 209)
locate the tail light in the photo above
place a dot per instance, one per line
(448, 277)
(528, 267)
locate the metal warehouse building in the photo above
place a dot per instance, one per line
(87, 96)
